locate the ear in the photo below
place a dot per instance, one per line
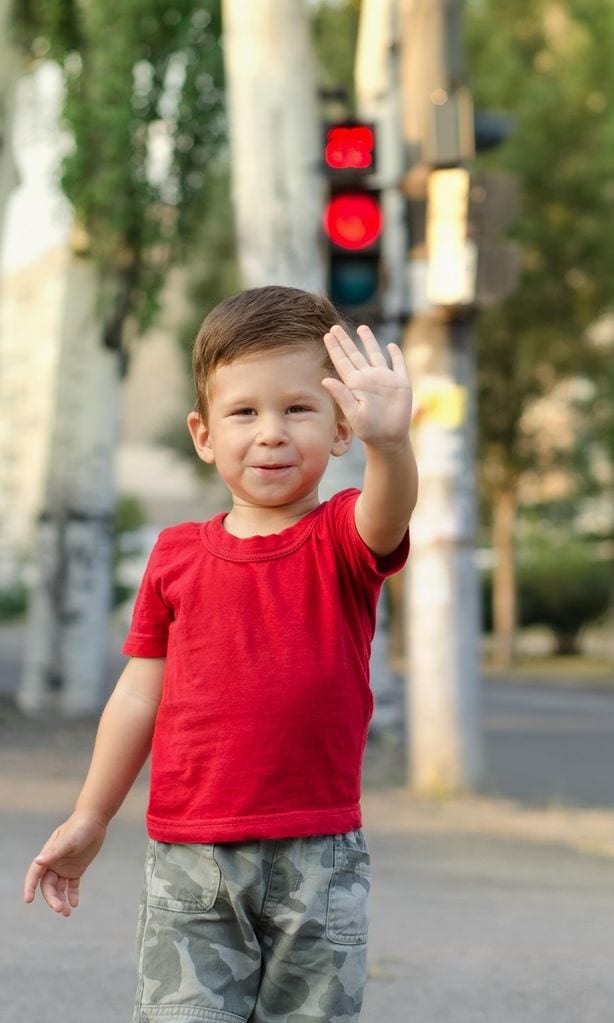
(201, 438)
(343, 437)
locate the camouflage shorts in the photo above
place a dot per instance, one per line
(265, 931)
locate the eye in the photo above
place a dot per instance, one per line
(298, 408)
(243, 412)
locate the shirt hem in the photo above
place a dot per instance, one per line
(134, 647)
(296, 824)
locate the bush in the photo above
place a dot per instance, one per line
(563, 587)
(13, 602)
(129, 519)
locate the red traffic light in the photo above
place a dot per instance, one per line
(350, 147)
(353, 220)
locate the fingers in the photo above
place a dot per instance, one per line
(341, 347)
(72, 892)
(53, 890)
(346, 354)
(371, 346)
(33, 877)
(342, 395)
(398, 361)
(61, 894)
(342, 350)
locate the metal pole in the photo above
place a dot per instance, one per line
(443, 694)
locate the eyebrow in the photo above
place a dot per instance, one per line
(288, 398)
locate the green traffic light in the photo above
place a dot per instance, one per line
(353, 281)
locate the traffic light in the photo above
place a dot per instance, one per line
(471, 263)
(491, 129)
(494, 204)
(352, 217)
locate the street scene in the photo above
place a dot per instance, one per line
(495, 906)
(307, 511)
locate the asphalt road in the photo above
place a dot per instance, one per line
(465, 927)
(478, 913)
(546, 745)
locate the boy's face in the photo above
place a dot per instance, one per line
(271, 429)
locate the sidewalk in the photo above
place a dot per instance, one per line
(482, 909)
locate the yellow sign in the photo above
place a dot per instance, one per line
(441, 403)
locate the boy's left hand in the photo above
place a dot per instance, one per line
(375, 398)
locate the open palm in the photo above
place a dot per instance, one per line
(375, 397)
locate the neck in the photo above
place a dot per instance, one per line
(245, 520)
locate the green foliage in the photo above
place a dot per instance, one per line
(561, 586)
(564, 587)
(128, 519)
(144, 109)
(129, 516)
(13, 602)
(593, 455)
(210, 280)
(550, 65)
(48, 28)
(334, 32)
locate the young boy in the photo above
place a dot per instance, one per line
(248, 679)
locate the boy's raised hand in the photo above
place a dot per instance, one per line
(63, 859)
(375, 398)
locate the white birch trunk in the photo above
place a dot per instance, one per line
(378, 98)
(9, 73)
(275, 143)
(64, 669)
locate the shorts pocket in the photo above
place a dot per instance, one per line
(347, 918)
(182, 878)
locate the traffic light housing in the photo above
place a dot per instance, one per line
(491, 129)
(352, 218)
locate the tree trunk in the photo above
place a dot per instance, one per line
(277, 182)
(567, 643)
(9, 73)
(64, 669)
(504, 579)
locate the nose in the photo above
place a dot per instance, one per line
(271, 429)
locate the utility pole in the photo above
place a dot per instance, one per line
(443, 701)
(9, 73)
(274, 136)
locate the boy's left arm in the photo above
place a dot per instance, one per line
(376, 399)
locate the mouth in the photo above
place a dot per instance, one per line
(271, 469)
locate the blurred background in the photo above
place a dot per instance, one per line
(445, 171)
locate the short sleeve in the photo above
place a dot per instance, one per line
(152, 616)
(343, 524)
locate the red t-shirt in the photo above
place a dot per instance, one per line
(266, 700)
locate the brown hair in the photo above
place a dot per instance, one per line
(260, 320)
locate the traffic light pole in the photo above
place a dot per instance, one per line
(442, 620)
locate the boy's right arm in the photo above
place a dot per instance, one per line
(122, 745)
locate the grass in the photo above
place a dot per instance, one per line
(572, 671)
